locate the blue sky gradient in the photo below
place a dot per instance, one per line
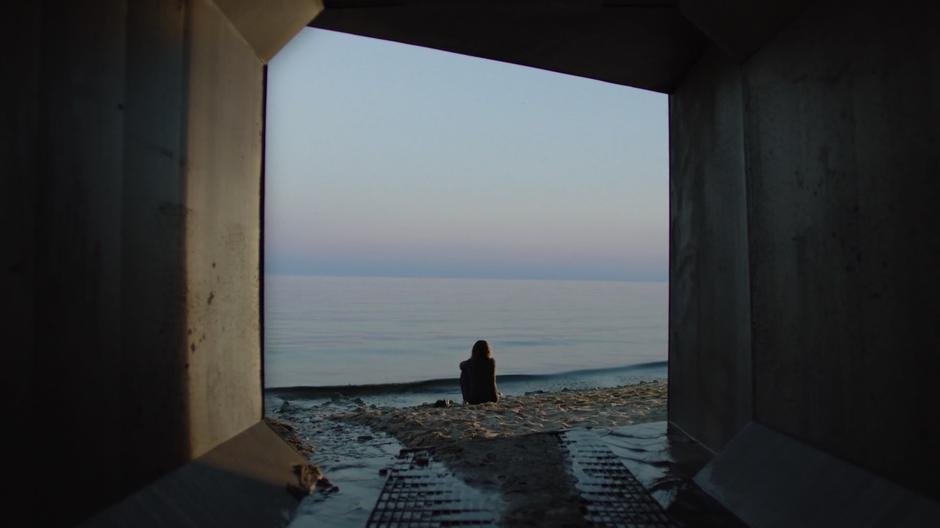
(385, 159)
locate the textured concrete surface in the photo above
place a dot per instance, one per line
(222, 230)
(771, 480)
(62, 178)
(838, 116)
(245, 481)
(267, 26)
(132, 148)
(151, 393)
(842, 149)
(709, 300)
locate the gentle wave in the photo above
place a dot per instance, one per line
(451, 384)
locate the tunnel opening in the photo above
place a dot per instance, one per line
(802, 152)
(444, 201)
(417, 201)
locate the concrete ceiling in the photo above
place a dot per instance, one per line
(741, 27)
(643, 43)
(269, 24)
(646, 44)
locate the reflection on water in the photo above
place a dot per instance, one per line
(352, 330)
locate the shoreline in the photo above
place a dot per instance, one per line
(505, 448)
(419, 392)
(354, 390)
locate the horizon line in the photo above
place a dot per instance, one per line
(460, 277)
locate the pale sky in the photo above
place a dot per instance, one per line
(385, 159)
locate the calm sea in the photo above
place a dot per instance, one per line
(325, 331)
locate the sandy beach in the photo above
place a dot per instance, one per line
(493, 447)
(430, 425)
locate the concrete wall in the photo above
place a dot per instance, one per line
(842, 144)
(223, 230)
(839, 116)
(63, 180)
(132, 182)
(152, 372)
(709, 301)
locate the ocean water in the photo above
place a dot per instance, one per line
(333, 331)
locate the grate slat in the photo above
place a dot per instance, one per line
(612, 496)
(421, 492)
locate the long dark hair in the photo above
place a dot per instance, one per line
(481, 350)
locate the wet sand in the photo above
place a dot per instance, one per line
(495, 446)
(428, 425)
(503, 446)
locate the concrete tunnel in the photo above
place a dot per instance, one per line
(803, 335)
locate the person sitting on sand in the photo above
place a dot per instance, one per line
(478, 375)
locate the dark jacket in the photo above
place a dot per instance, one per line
(478, 380)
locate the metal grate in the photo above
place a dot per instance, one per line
(612, 495)
(421, 493)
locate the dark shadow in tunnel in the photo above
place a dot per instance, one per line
(99, 377)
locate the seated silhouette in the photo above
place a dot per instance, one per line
(478, 375)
